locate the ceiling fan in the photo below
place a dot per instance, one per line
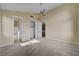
(43, 11)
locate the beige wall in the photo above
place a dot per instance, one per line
(60, 23)
(78, 21)
(7, 24)
(0, 26)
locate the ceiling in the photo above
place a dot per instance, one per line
(28, 7)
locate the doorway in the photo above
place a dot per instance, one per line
(17, 29)
(35, 29)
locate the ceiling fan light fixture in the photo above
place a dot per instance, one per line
(42, 11)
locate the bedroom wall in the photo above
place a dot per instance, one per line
(0, 26)
(60, 23)
(7, 24)
(78, 20)
(8, 29)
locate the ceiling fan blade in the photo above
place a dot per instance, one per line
(42, 13)
(43, 10)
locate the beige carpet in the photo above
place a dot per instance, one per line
(46, 47)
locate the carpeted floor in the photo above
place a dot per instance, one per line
(46, 47)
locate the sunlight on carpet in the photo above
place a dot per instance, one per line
(29, 42)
